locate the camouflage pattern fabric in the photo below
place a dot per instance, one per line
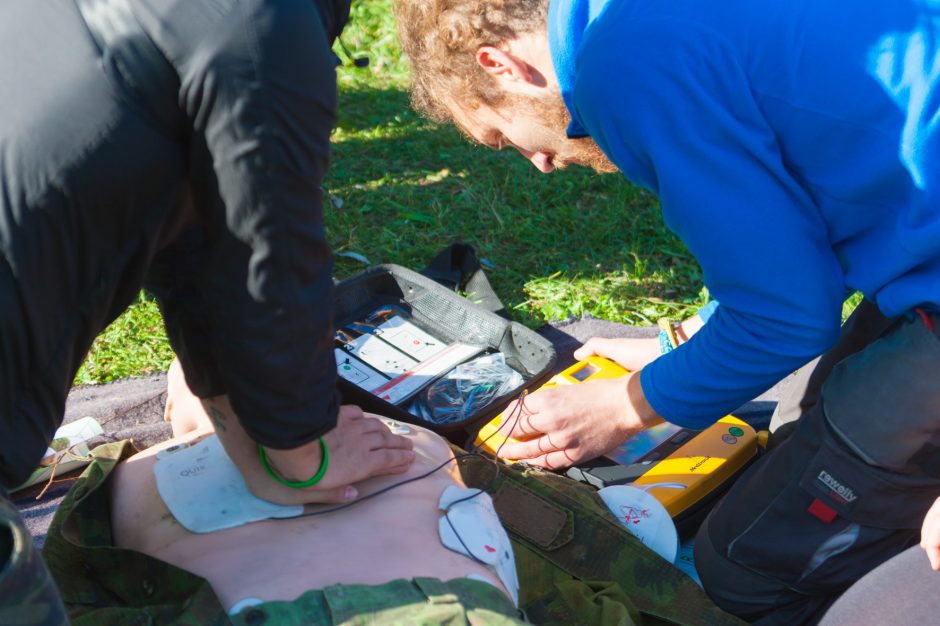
(576, 565)
(103, 585)
(418, 602)
(28, 596)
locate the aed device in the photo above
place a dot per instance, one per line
(592, 368)
(686, 470)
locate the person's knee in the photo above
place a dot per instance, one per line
(183, 409)
(708, 565)
(26, 587)
(6, 545)
(758, 599)
(730, 586)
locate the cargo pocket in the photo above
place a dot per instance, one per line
(836, 518)
(884, 403)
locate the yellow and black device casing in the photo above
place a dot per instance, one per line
(685, 468)
(691, 468)
(490, 439)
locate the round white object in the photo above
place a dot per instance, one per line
(645, 517)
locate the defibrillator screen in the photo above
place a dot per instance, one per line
(585, 372)
(641, 444)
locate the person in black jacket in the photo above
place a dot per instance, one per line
(181, 145)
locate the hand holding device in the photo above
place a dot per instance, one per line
(632, 353)
(635, 353)
(563, 424)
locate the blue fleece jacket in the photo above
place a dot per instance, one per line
(794, 146)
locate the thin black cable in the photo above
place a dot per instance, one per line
(516, 414)
(474, 452)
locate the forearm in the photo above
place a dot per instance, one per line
(243, 451)
(639, 411)
(688, 328)
(261, 97)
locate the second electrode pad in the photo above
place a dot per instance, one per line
(470, 526)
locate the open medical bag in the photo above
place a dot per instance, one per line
(409, 348)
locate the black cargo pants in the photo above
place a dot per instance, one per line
(853, 467)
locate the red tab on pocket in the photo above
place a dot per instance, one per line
(822, 511)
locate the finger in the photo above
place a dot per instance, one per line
(540, 461)
(510, 415)
(371, 424)
(554, 460)
(588, 349)
(384, 460)
(385, 439)
(401, 469)
(530, 448)
(350, 412)
(336, 495)
(612, 349)
(518, 418)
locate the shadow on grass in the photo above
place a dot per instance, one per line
(409, 187)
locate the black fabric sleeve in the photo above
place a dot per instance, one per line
(261, 91)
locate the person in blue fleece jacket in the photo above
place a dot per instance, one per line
(795, 148)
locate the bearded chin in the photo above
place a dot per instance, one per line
(586, 152)
(581, 151)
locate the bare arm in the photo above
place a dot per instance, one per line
(635, 353)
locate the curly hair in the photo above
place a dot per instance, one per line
(441, 38)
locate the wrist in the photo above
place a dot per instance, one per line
(641, 414)
(689, 327)
(296, 464)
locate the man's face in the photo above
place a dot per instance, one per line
(536, 128)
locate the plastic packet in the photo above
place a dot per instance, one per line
(466, 390)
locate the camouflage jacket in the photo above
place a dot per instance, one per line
(576, 564)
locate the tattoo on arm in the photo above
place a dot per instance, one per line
(217, 416)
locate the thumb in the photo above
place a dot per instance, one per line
(599, 346)
(590, 348)
(337, 495)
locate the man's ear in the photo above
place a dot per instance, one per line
(503, 65)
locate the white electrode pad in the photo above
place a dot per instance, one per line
(205, 492)
(472, 528)
(644, 516)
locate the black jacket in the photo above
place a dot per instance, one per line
(181, 143)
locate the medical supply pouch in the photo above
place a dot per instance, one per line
(399, 332)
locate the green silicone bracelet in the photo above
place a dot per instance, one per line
(313, 480)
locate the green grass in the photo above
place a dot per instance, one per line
(565, 244)
(401, 188)
(132, 345)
